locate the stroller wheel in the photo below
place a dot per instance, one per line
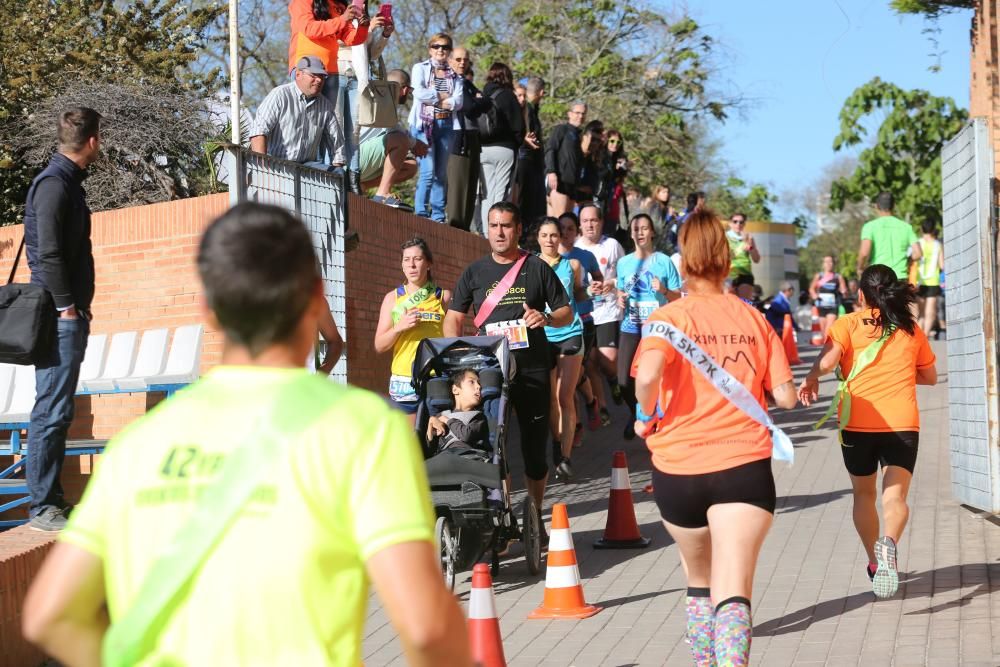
(447, 546)
(531, 528)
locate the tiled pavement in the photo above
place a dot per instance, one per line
(812, 600)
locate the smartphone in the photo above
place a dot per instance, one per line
(385, 11)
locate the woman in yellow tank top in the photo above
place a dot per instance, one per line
(410, 313)
(929, 268)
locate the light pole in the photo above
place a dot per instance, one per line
(234, 70)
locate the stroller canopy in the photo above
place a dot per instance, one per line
(435, 355)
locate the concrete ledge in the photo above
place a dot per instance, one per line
(22, 551)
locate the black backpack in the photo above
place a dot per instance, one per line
(493, 125)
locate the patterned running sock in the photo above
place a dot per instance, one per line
(733, 628)
(700, 616)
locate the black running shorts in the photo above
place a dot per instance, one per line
(589, 336)
(925, 291)
(864, 452)
(684, 500)
(607, 334)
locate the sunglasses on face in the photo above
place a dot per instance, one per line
(739, 222)
(441, 47)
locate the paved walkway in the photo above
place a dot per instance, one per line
(813, 603)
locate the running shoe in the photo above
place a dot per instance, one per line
(578, 436)
(629, 432)
(886, 579)
(564, 470)
(870, 570)
(616, 393)
(605, 417)
(593, 416)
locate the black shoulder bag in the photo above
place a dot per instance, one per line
(27, 320)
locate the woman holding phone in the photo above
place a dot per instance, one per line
(353, 72)
(318, 26)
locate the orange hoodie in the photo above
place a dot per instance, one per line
(311, 37)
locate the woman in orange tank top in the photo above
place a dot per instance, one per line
(884, 355)
(712, 474)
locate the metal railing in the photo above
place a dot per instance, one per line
(319, 199)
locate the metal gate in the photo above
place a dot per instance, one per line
(970, 267)
(319, 199)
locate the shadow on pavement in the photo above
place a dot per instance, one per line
(615, 602)
(795, 503)
(911, 586)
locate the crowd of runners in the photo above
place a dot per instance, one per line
(243, 520)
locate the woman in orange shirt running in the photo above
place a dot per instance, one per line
(884, 355)
(711, 460)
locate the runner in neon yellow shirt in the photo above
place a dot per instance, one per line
(345, 501)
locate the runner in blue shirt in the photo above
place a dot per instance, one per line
(646, 280)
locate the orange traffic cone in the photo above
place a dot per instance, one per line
(788, 340)
(817, 333)
(563, 590)
(621, 530)
(484, 626)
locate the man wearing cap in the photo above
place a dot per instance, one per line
(294, 119)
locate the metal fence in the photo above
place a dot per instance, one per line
(319, 199)
(970, 266)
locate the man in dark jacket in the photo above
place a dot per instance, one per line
(564, 161)
(530, 170)
(463, 165)
(57, 237)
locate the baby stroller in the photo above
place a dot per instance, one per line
(471, 498)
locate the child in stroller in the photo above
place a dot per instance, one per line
(465, 429)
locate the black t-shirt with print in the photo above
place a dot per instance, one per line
(536, 284)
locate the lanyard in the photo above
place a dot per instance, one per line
(731, 388)
(843, 396)
(413, 300)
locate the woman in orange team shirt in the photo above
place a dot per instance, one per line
(884, 355)
(316, 27)
(711, 460)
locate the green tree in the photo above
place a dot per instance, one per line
(905, 158)
(931, 8)
(737, 196)
(146, 42)
(648, 74)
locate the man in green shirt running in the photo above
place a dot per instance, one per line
(309, 490)
(886, 239)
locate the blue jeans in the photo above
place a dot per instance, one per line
(55, 385)
(342, 91)
(432, 178)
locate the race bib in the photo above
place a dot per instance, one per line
(516, 332)
(827, 300)
(639, 311)
(400, 389)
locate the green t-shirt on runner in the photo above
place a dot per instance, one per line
(287, 582)
(891, 239)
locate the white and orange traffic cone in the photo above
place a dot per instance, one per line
(817, 333)
(621, 530)
(789, 342)
(484, 625)
(563, 590)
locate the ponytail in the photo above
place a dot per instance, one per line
(890, 297)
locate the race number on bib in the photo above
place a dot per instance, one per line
(639, 311)
(827, 300)
(516, 332)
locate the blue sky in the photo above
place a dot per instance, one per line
(800, 59)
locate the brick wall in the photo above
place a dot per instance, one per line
(984, 94)
(146, 278)
(374, 269)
